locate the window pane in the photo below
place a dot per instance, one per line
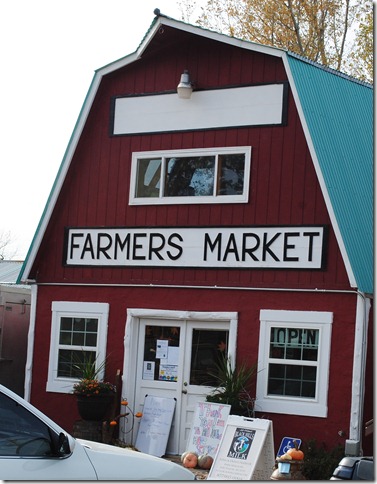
(69, 362)
(78, 331)
(190, 176)
(294, 343)
(78, 339)
(208, 347)
(148, 178)
(292, 380)
(154, 367)
(231, 174)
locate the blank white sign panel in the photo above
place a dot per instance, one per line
(218, 108)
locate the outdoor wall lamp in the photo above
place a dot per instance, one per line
(184, 88)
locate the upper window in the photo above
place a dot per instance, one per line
(293, 362)
(216, 175)
(78, 334)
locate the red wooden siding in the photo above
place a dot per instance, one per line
(247, 304)
(284, 189)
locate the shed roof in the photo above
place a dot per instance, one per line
(336, 112)
(9, 271)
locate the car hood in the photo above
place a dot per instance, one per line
(118, 463)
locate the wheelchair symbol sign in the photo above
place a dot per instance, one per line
(286, 444)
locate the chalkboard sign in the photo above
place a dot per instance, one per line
(246, 451)
(207, 428)
(155, 425)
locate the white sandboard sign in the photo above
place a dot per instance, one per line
(246, 451)
(155, 425)
(207, 428)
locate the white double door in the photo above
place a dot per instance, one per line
(177, 358)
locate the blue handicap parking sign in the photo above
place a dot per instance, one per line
(286, 444)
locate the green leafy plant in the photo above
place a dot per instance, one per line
(87, 367)
(320, 462)
(89, 384)
(233, 386)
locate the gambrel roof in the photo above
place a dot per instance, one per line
(336, 112)
(337, 115)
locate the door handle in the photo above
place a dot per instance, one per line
(184, 392)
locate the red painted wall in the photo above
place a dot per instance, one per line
(284, 188)
(248, 305)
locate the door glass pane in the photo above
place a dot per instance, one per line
(161, 353)
(207, 349)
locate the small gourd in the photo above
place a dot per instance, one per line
(205, 461)
(189, 459)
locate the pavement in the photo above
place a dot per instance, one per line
(200, 474)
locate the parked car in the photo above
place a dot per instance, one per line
(354, 468)
(33, 447)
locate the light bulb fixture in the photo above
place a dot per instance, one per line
(184, 88)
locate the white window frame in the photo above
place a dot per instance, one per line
(322, 321)
(61, 309)
(243, 198)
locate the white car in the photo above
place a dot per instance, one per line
(33, 447)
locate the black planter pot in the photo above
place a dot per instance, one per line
(93, 407)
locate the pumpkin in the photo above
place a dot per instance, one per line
(190, 460)
(295, 452)
(286, 457)
(184, 455)
(205, 461)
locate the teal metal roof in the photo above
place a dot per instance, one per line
(338, 111)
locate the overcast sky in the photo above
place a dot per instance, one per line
(49, 52)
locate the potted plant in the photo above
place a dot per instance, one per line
(233, 387)
(94, 396)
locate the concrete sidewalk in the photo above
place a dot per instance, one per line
(200, 474)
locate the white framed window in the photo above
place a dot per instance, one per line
(293, 362)
(207, 175)
(78, 331)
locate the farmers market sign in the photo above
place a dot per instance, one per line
(226, 247)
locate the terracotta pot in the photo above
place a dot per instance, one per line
(93, 407)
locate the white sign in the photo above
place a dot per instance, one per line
(155, 425)
(207, 427)
(215, 108)
(226, 247)
(246, 451)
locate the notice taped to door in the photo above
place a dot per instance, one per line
(155, 425)
(246, 451)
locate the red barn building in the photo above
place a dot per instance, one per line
(235, 218)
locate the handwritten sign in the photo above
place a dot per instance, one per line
(246, 451)
(155, 425)
(207, 427)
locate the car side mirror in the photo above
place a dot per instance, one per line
(60, 444)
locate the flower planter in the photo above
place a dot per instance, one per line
(93, 407)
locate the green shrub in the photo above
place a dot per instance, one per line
(320, 462)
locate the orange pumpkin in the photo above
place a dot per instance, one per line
(190, 460)
(205, 461)
(295, 452)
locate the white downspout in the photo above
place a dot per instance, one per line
(353, 444)
(30, 343)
